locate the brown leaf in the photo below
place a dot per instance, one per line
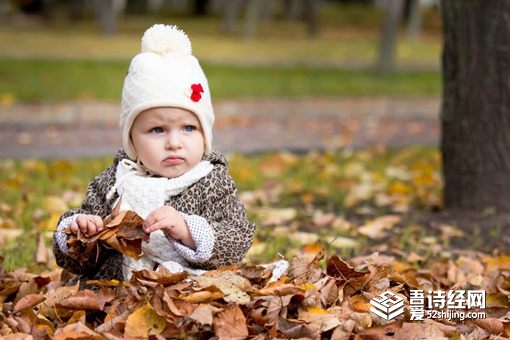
(337, 267)
(491, 325)
(278, 289)
(86, 300)
(41, 255)
(207, 295)
(204, 314)
(293, 329)
(320, 319)
(128, 235)
(230, 324)
(48, 307)
(123, 232)
(77, 331)
(304, 267)
(161, 276)
(28, 301)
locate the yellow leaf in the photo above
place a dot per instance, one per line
(497, 300)
(399, 188)
(7, 235)
(359, 304)
(308, 286)
(317, 310)
(304, 238)
(52, 221)
(343, 242)
(257, 250)
(233, 286)
(144, 321)
(7, 99)
(54, 204)
(276, 216)
(376, 228)
(499, 262)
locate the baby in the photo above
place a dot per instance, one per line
(167, 172)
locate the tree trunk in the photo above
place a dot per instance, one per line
(389, 32)
(413, 20)
(310, 11)
(107, 12)
(231, 10)
(475, 115)
(201, 7)
(251, 17)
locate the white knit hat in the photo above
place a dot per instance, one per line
(165, 73)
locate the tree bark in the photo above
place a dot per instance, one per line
(475, 114)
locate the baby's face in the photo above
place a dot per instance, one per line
(168, 140)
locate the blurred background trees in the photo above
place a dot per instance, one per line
(238, 17)
(475, 97)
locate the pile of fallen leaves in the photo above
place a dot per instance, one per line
(317, 298)
(298, 205)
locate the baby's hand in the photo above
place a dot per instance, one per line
(88, 224)
(170, 222)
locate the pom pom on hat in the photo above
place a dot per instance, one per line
(165, 74)
(165, 39)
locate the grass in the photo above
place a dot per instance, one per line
(29, 80)
(304, 186)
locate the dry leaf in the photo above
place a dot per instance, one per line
(230, 324)
(337, 267)
(144, 321)
(85, 300)
(28, 301)
(208, 294)
(123, 231)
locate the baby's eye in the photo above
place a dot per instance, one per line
(157, 130)
(189, 128)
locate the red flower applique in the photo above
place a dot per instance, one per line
(197, 90)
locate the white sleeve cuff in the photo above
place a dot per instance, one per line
(60, 236)
(203, 236)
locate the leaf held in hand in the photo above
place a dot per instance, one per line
(122, 231)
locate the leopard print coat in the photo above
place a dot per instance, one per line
(214, 197)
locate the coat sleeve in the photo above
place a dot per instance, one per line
(226, 215)
(95, 203)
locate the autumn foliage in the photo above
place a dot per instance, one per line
(318, 298)
(343, 221)
(122, 232)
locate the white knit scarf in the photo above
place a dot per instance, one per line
(143, 193)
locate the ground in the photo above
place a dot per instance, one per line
(89, 129)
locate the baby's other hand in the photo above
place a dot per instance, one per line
(170, 221)
(89, 225)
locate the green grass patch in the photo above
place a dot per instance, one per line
(28, 80)
(285, 195)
